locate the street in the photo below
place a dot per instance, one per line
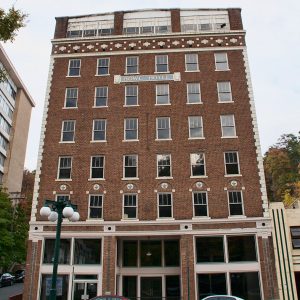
(8, 291)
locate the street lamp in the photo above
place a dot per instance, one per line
(56, 210)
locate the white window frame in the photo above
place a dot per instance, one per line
(218, 62)
(136, 206)
(202, 130)
(222, 126)
(187, 93)
(91, 168)
(126, 129)
(89, 206)
(191, 166)
(193, 203)
(157, 173)
(137, 167)
(105, 128)
(137, 95)
(95, 97)
(63, 131)
(69, 67)
(168, 93)
(58, 168)
(156, 63)
(157, 129)
(219, 92)
(242, 203)
(66, 93)
(137, 64)
(238, 163)
(158, 206)
(186, 64)
(97, 71)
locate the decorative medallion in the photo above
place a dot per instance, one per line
(129, 186)
(164, 185)
(233, 183)
(199, 184)
(63, 187)
(96, 187)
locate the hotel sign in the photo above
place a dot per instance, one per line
(146, 78)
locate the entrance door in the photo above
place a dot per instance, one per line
(151, 288)
(84, 290)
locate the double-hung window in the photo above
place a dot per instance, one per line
(163, 129)
(131, 129)
(68, 131)
(224, 91)
(132, 65)
(221, 62)
(197, 164)
(161, 64)
(228, 126)
(193, 93)
(235, 199)
(191, 62)
(99, 130)
(97, 167)
(162, 94)
(131, 95)
(195, 127)
(74, 67)
(200, 204)
(129, 206)
(165, 205)
(103, 66)
(164, 165)
(130, 166)
(101, 94)
(231, 163)
(71, 97)
(64, 167)
(96, 206)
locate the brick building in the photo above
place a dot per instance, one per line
(149, 127)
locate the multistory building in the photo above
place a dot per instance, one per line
(149, 128)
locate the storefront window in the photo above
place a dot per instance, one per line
(211, 284)
(64, 251)
(62, 286)
(151, 254)
(241, 248)
(171, 253)
(87, 251)
(209, 249)
(130, 253)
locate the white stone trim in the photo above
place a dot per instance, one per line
(261, 173)
(41, 145)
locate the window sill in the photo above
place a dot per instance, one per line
(166, 177)
(95, 220)
(196, 138)
(167, 72)
(99, 106)
(191, 71)
(201, 218)
(96, 179)
(104, 141)
(65, 142)
(226, 101)
(70, 107)
(72, 76)
(233, 175)
(102, 75)
(130, 178)
(188, 103)
(131, 105)
(130, 220)
(163, 140)
(165, 219)
(201, 176)
(63, 179)
(222, 70)
(237, 217)
(157, 104)
(132, 74)
(229, 137)
(130, 140)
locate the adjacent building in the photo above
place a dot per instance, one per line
(15, 110)
(150, 128)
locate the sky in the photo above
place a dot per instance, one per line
(273, 45)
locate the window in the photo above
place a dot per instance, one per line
(71, 97)
(130, 253)
(153, 247)
(46, 283)
(87, 251)
(171, 249)
(228, 126)
(101, 94)
(231, 163)
(295, 233)
(129, 206)
(163, 130)
(131, 95)
(162, 94)
(165, 205)
(209, 249)
(97, 167)
(64, 251)
(191, 62)
(212, 284)
(132, 65)
(224, 91)
(195, 127)
(99, 130)
(130, 163)
(74, 67)
(197, 164)
(235, 203)
(64, 167)
(131, 129)
(200, 204)
(164, 165)
(68, 131)
(161, 63)
(103, 66)
(96, 206)
(221, 62)
(193, 93)
(241, 248)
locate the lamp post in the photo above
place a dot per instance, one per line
(56, 210)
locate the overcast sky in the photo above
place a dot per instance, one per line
(273, 41)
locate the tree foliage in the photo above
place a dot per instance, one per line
(282, 169)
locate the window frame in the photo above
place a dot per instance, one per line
(221, 62)
(156, 63)
(126, 130)
(76, 68)
(194, 205)
(98, 66)
(66, 98)
(136, 167)
(171, 205)
(157, 166)
(204, 165)
(241, 203)
(168, 94)
(89, 206)
(137, 65)
(95, 96)
(187, 93)
(234, 127)
(227, 92)
(91, 168)
(169, 129)
(295, 236)
(238, 163)
(65, 131)
(93, 132)
(59, 168)
(123, 206)
(187, 64)
(137, 95)
(189, 125)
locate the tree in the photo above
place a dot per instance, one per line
(282, 169)
(27, 191)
